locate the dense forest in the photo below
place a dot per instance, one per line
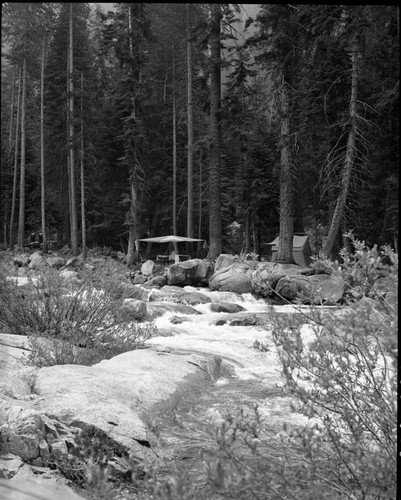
(197, 120)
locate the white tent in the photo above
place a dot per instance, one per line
(300, 249)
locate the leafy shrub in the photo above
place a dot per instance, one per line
(363, 268)
(345, 379)
(70, 323)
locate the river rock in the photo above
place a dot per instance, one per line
(217, 296)
(193, 298)
(234, 278)
(178, 296)
(156, 281)
(225, 307)
(316, 289)
(267, 274)
(36, 261)
(55, 262)
(166, 294)
(139, 279)
(191, 272)
(21, 260)
(148, 267)
(137, 292)
(225, 260)
(156, 309)
(136, 308)
(69, 276)
(177, 320)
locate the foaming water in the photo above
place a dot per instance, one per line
(235, 344)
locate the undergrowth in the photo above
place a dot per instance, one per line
(70, 322)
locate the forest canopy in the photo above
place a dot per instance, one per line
(198, 120)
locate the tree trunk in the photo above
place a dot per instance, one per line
(133, 236)
(74, 222)
(286, 233)
(83, 221)
(21, 219)
(133, 217)
(348, 162)
(190, 213)
(215, 225)
(10, 136)
(199, 252)
(174, 152)
(42, 149)
(15, 181)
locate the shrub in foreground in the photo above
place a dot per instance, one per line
(342, 368)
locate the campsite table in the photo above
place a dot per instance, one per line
(163, 258)
(182, 256)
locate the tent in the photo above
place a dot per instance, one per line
(301, 250)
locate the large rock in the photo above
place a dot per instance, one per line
(234, 278)
(115, 395)
(38, 489)
(317, 289)
(225, 260)
(191, 272)
(267, 274)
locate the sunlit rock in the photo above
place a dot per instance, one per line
(234, 278)
(190, 272)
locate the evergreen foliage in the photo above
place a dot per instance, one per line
(127, 118)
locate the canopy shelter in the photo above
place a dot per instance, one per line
(174, 256)
(300, 249)
(169, 239)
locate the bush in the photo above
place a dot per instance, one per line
(70, 323)
(345, 380)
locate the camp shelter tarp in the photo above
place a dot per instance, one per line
(300, 249)
(169, 239)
